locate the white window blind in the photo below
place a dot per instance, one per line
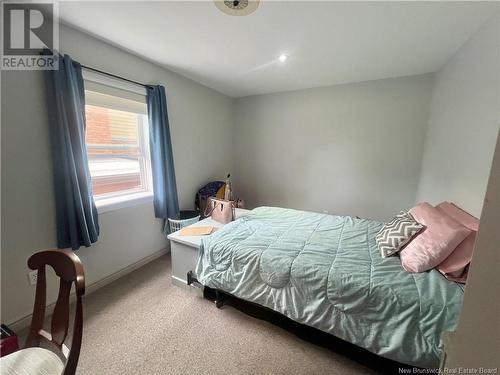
(117, 138)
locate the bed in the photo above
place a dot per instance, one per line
(326, 272)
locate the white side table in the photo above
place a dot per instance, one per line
(184, 249)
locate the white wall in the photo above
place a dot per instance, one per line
(200, 119)
(476, 342)
(463, 123)
(463, 131)
(352, 149)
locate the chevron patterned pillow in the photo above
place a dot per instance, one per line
(397, 233)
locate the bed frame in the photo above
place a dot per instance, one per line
(307, 333)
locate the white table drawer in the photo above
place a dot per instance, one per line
(184, 249)
(184, 259)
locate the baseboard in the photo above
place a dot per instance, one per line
(191, 288)
(25, 321)
(179, 282)
(115, 276)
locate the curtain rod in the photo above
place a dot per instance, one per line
(114, 76)
(43, 51)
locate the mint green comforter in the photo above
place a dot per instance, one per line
(326, 272)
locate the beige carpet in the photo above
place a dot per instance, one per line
(142, 324)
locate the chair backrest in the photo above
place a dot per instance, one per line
(69, 268)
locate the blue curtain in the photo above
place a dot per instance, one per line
(162, 162)
(77, 222)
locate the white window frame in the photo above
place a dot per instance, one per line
(104, 84)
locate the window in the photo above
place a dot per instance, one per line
(117, 144)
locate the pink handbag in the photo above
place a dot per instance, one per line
(221, 210)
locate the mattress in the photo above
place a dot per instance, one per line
(326, 272)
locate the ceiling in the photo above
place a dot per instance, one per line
(327, 42)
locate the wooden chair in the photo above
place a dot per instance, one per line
(35, 359)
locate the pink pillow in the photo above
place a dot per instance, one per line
(455, 267)
(435, 243)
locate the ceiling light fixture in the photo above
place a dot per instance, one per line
(283, 58)
(237, 7)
